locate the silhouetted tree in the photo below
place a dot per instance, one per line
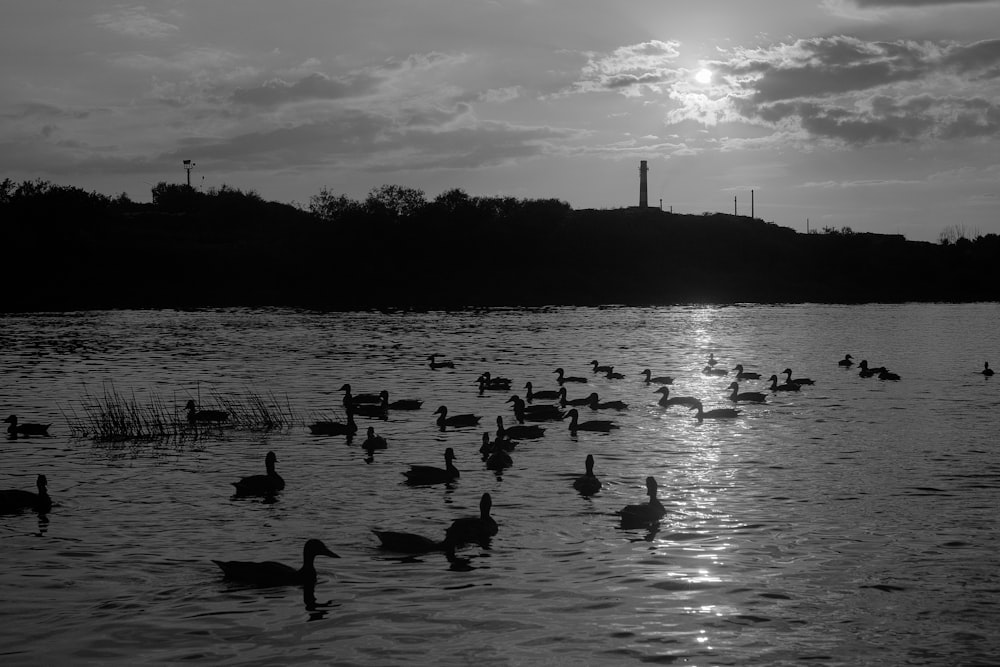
(398, 201)
(328, 205)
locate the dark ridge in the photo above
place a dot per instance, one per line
(67, 249)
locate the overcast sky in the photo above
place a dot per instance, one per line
(880, 115)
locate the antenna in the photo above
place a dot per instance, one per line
(188, 166)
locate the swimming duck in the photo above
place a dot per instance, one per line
(846, 362)
(420, 474)
(594, 403)
(499, 458)
(486, 448)
(374, 441)
(987, 371)
(601, 369)
(487, 381)
(745, 375)
(595, 425)
(798, 381)
(478, 529)
(409, 543)
(519, 431)
(400, 404)
(261, 485)
(16, 429)
(711, 359)
(867, 372)
(270, 573)
(563, 401)
(708, 370)
(886, 375)
(667, 401)
(439, 364)
(544, 395)
(716, 413)
(378, 410)
(782, 387)
(535, 413)
(196, 416)
(335, 428)
(561, 377)
(747, 396)
(15, 500)
(588, 483)
(351, 399)
(457, 421)
(643, 514)
(614, 375)
(662, 379)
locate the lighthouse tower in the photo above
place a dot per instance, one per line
(643, 199)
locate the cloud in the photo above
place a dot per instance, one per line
(315, 86)
(917, 3)
(628, 67)
(136, 22)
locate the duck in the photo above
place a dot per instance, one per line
(987, 371)
(535, 413)
(745, 375)
(563, 401)
(716, 413)
(15, 500)
(643, 514)
(599, 425)
(798, 381)
(594, 403)
(196, 416)
(420, 474)
(667, 401)
(886, 375)
(486, 448)
(709, 370)
(601, 369)
(499, 458)
(847, 361)
(543, 395)
(562, 378)
(487, 381)
(261, 485)
(661, 379)
(867, 372)
(399, 404)
(409, 543)
(747, 396)
(270, 573)
(457, 421)
(711, 359)
(373, 441)
(614, 375)
(519, 431)
(351, 399)
(378, 410)
(782, 387)
(588, 483)
(478, 529)
(434, 364)
(16, 429)
(335, 428)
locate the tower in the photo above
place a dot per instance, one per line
(643, 201)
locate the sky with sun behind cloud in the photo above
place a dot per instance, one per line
(878, 115)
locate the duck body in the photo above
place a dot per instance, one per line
(477, 529)
(649, 379)
(709, 370)
(543, 395)
(456, 421)
(15, 429)
(499, 458)
(487, 381)
(847, 361)
(747, 396)
(597, 425)
(400, 404)
(594, 403)
(588, 483)
(564, 401)
(351, 399)
(196, 416)
(534, 413)
(782, 387)
(867, 372)
(668, 401)
(598, 368)
(435, 364)
(798, 381)
(335, 428)
(745, 375)
(16, 500)
(261, 485)
(271, 573)
(886, 375)
(421, 474)
(987, 371)
(408, 543)
(373, 441)
(643, 514)
(562, 378)
(519, 432)
(715, 413)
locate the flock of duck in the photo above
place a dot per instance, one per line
(529, 413)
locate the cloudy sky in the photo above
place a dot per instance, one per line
(879, 115)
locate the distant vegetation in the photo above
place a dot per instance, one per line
(66, 249)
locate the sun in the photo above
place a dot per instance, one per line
(703, 76)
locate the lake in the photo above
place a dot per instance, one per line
(851, 523)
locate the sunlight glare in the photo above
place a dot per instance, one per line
(703, 76)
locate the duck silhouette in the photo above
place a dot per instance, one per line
(399, 404)
(564, 401)
(782, 387)
(662, 379)
(867, 372)
(409, 543)
(16, 500)
(747, 396)
(597, 425)
(643, 514)
(435, 364)
(598, 368)
(562, 378)
(373, 441)
(716, 413)
(335, 428)
(886, 375)
(422, 474)
(456, 421)
(588, 483)
(544, 395)
(709, 370)
(261, 485)
(519, 431)
(351, 399)
(987, 371)
(846, 362)
(474, 529)
(498, 458)
(196, 416)
(594, 403)
(745, 375)
(15, 429)
(667, 401)
(798, 381)
(270, 573)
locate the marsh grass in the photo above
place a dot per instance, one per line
(116, 416)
